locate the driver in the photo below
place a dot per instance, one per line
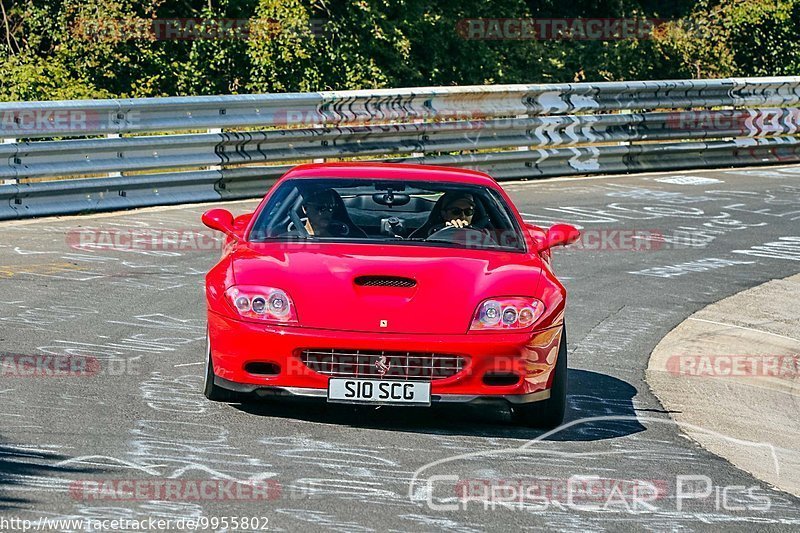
(452, 210)
(457, 209)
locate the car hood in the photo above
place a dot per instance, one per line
(449, 283)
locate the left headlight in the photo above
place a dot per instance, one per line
(510, 313)
(266, 304)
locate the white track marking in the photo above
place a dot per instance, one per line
(742, 327)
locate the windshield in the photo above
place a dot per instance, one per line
(381, 211)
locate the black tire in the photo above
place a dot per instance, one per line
(548, 414)
(210, 390)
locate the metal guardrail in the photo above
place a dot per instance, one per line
(511, 131)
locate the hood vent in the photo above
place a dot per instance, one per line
(385, 281)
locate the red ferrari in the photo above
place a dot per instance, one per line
(375, 284)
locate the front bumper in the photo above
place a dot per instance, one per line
(300, 392)
(234, 343)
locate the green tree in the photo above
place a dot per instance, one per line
(55, 49)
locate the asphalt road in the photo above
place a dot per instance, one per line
(135, 316)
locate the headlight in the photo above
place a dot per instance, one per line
(266, 304)
(510, 313)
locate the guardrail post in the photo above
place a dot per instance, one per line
(113, 136)
(523, 148)
(214, 130)
(10, 181)
(318, 159)
(418, 155)
(625, 112)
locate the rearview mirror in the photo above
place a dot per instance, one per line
(390, 198)
(220, 220)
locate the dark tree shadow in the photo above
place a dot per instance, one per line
(20, 462)
(591, 394)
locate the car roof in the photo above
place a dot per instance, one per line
(392, 171)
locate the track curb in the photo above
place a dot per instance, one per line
(732, 368)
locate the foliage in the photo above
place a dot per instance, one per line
(60, 49)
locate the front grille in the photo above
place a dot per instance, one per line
(395, 365)
(384, 281)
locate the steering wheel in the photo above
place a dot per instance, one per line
(298, 228)
(454, 234)
(298, 224)
(338, 229)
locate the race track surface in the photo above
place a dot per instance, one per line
(136, 314)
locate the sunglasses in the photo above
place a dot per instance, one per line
(458, 211)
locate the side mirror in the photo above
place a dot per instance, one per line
(220, 220)
(557, 235)
(562, 235)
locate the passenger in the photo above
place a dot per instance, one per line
(327, 216)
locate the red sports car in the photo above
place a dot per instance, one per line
(375, 283)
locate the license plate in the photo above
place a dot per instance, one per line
(381, 391)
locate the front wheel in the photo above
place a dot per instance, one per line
(210, 390)
(548, 414)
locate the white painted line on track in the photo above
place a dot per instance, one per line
(742, 327)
